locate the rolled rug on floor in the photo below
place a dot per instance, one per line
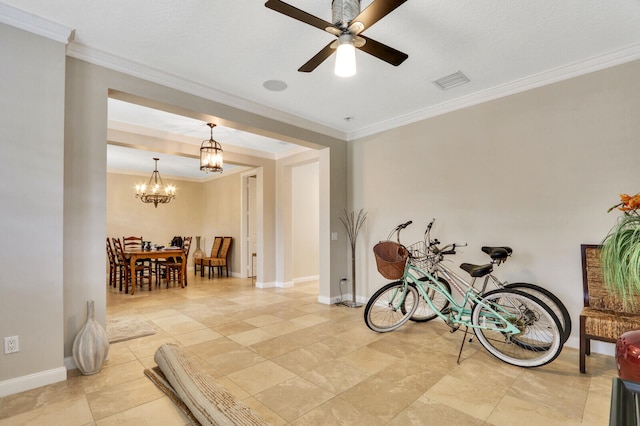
(207, 401)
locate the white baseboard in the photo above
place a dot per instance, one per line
(305, 279)
(327, 300)
(32, 381)
(69, 363)
(597, 347)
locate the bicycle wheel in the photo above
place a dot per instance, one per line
(424, 312)
(390, 307)
(551, 301)
(539, 341)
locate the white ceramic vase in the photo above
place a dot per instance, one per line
(91, 345)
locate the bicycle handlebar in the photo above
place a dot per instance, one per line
(451, 248)
(404, 225)
(397, 230)
(431, 244)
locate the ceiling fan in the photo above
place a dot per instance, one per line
(348, 24)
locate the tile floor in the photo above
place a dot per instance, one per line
(299, 362)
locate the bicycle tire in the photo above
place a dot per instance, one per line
(423, 312)
(383, 312)
(551, 300)
(543, 332)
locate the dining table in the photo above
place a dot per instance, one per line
(135, 255)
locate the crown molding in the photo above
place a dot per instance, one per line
(113, 62)
(34, 24)
(597, 63)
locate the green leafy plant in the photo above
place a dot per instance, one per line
(620, 254)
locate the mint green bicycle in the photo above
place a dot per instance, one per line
(514, 326)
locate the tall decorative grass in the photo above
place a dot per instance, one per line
(353, 223)
(620, 258)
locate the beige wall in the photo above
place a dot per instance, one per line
(536, 171)
(127, 215)
(305, 221)
(35, 89)
(31, 207)
(222, 214)
(206, 209)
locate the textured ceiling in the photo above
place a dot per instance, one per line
(143, 121)
(232, 47)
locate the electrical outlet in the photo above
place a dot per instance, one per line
(11, 344)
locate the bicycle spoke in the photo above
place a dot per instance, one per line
(539, 339)
(390, 307)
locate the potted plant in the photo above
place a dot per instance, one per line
(621, 250)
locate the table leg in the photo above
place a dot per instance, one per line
(133, 274)
(183, 266)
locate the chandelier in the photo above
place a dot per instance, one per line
(155, 188)
(211, 154)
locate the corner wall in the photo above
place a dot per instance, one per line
(536, 171)
(85, 177)
(31, 208)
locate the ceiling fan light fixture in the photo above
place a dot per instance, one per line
(345, 56)
(211, 154)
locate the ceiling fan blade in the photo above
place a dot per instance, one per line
(382, 51)
(295, 13)
(320, 57)
(376, 11)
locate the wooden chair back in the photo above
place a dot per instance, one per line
(225, 248)
(605, 315)
(110, 254)
(186, 246)
(215, 248)
(596, 295)
(119, 252)
(222, 259)
(132, 243)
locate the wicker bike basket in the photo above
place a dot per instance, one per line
(390, 259)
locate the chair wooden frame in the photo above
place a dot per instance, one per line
(223, 257)
(114, 265)
(174, 268)
(605, 316)
(204, 262)
(125, 267)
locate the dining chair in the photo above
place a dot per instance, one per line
(223, 257)
(125, 268)
(113, 265)
(132, 243)
(215, 249)
(174, 268)
(137, 244)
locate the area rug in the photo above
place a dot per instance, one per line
(200, 397)
(127, 328)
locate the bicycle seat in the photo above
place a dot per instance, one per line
(498, 253)
(477, 270)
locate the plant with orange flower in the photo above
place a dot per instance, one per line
(621, 249)
(628, 204)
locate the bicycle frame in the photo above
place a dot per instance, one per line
(459, 314)
(512, 322)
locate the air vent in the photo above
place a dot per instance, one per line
(453, 80)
